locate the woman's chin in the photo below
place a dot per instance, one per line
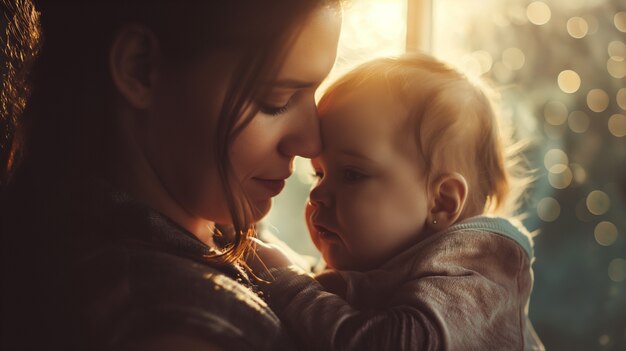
(261, 209)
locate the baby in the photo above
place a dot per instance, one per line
(412, 174)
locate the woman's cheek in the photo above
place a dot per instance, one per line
(247, 147)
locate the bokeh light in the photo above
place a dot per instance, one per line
(578, 121)
(555, 157)
(513, 58)
(617, 270)
(617, 125)
(569, 81)
(577, 27)
(604, 340)
(476, 64)
(538, 13)
(471, 66)
(617, 50)
(597, 100)
(548, 209)
(621, 98)
(555, 113)
(616, 68)
(620, 21)
(605, 233)
(484, 59)
(598, 202)
(560, 176)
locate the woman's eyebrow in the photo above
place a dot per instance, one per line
(291, 83)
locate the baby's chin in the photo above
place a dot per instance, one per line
(345, 262)
(334, 254)
(338, 261)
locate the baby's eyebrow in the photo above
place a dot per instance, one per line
(356, 154)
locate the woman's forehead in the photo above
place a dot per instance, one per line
(313, 52)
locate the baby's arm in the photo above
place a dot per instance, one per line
(466, 292)
(325, 321)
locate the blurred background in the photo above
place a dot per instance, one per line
(559, 67)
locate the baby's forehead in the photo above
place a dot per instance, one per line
(370, 115)
(369, 105)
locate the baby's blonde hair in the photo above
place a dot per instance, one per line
(457, 127)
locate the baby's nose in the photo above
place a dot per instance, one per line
(320, 196)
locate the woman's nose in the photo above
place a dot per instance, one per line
(304, 134)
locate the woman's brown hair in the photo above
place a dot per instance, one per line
(60, 122)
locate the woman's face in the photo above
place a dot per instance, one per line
(178, 137)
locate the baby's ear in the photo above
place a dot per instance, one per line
(448, 195)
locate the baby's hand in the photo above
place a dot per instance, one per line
(333, 282)
(265, 256)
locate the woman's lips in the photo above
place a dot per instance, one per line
(273, 186)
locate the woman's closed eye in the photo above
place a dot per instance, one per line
(277, 105)
(271, 110)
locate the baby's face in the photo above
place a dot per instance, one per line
(370, 201)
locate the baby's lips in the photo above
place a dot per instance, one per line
(324, 232)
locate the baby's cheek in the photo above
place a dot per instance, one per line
(369, 238)
(358, 222)
(385, 233)
(363, 212)
(308, 211)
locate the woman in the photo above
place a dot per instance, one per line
(147, 124)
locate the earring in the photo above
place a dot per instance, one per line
(434, 221)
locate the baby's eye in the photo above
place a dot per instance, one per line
(352, 176)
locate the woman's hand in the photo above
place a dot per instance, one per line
(266, 256)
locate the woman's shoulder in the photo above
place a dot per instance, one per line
(134, 292)
(102, 269)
